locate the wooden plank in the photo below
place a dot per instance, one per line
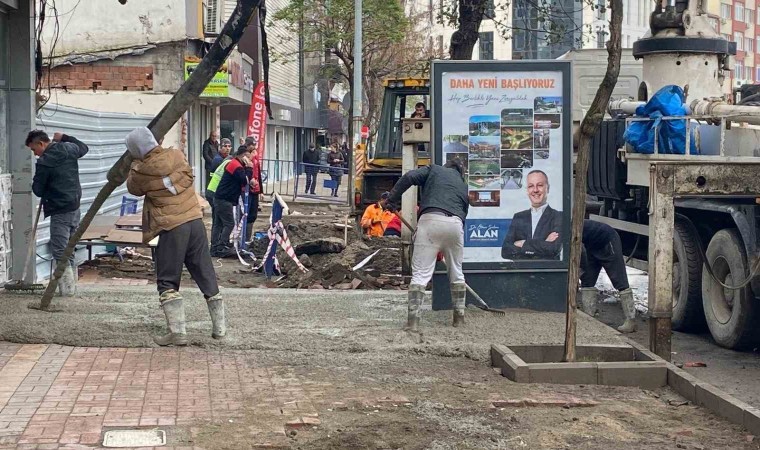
(661, 222)
(130, 220)
(119, 236)
(96, 232)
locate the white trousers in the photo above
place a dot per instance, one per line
(438, 233)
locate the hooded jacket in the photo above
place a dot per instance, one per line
(56, 176)
(165, 178)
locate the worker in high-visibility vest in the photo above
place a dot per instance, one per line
(216, 177)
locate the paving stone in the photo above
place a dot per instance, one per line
(752, 420)
(683, 382)
(644, 374)
(563, 373)
(511, 365)
(720, 403)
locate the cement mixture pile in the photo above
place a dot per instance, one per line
(334, 257)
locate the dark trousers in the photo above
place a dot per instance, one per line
(610, 257)
(225, 219)
(186, 244)
(253, 208)
(311, 182)
(62, 226)
(210, 199)
(336, 179)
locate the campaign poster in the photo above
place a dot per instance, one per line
(510, 128)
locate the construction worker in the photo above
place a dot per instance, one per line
(235, 179)
(172, 212)
(224, 152)
(256, 186)
(602, 249)
(375, 219)
(216, 177)
(56, 183)
(440, 228)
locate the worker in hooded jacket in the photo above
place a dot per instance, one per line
(172, 212)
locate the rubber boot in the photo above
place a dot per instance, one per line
(416, 294)
(249, 233)
(216, 311)
(458, 299)
(174, 310)
(589, 298)
(629, 311)
(67, 284)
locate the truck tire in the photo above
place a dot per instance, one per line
(732, 315)
(688, 314)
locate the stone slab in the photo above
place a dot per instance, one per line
(644, 374)
(720, 403)
(511, 365)
(683, 382)
(563, 373)
(752, 420)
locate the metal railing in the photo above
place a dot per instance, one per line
(322, 182)
(278, 176)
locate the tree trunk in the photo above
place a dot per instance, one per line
(588, 129)
(463, 40)
(189, 91)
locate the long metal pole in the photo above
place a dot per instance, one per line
(357, 100)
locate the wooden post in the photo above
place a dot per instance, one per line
(661, 223)
(189, 91)
(408, 205)
(588, 129)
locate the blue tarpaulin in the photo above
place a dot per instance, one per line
(671, 139)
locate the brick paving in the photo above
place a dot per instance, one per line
(55, 397)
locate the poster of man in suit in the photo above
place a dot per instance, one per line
(535, 232)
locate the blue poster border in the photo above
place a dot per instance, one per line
(438, 68)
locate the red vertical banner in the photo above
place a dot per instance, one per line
(257, 119)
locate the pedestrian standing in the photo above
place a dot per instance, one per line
(225, 148)
(602, 249)
(210, 149)
(172, 212)
(335, 159)
(311, 168)
(235, 178)
(443, 208)
(216, 177)
(344, 152)
(56, 183)
(256, 187)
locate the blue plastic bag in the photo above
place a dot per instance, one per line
(671, 139)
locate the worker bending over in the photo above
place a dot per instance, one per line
(172, 212)
(440, 228)
(602, 249)
(375, 219)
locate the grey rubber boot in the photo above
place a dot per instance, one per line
(458, 299)
(216, 311)
(629, 311)
(67, 283)
(416, 295)
(174, 310)
(248, 233)
(589, 298)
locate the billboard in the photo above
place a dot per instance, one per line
(509, 123)
(217, 87)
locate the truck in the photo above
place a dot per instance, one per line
(378, 170)
(715, 238)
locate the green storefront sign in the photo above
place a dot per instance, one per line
(217, 87)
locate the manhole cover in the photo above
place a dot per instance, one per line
(134, 438)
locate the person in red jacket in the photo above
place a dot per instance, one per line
(256, 187)
(236, 176)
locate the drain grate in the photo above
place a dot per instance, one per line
(134, 438)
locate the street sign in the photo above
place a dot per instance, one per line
(365, 132)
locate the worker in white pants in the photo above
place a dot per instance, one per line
(440, 228)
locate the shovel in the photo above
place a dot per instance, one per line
(23, 284)
(483, 305)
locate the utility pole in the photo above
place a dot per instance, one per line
(357, 101)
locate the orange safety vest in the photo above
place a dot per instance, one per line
(373, 214)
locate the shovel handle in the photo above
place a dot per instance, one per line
(32, 242)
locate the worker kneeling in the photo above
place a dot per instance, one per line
(172, 212)
(440, 228)
(376, 219)
(603, 249)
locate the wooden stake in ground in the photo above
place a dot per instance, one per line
(588, 129)
(189, 91)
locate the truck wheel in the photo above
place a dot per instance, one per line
(732, 315)
(687, 280)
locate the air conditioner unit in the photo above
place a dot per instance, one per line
(284, 115)
(723, 21)
(211, 22)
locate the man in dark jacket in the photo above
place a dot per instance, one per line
(256, 186)
(56, 183)
(210, 149)
(535, 232)
(443, 208)
(311, 168)
(236, 177)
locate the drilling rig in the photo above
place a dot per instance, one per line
(691, 220)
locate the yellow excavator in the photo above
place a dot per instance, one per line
(378, 170)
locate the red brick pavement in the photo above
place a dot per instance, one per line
(54, 397)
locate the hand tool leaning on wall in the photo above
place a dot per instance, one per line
(483, 305)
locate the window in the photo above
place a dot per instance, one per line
(739, 39)
(725, 11)
(485, 48)
(601, 10)
(750, 72)
(490, 11)
(713, 23)
(758, 43)
(628, 42)
(738, 11)
(748, 16)
(726, 37)
(739, 70)
(757, 73)
(749, 45)
(601, 38)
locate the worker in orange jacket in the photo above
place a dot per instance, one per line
(375, 219)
